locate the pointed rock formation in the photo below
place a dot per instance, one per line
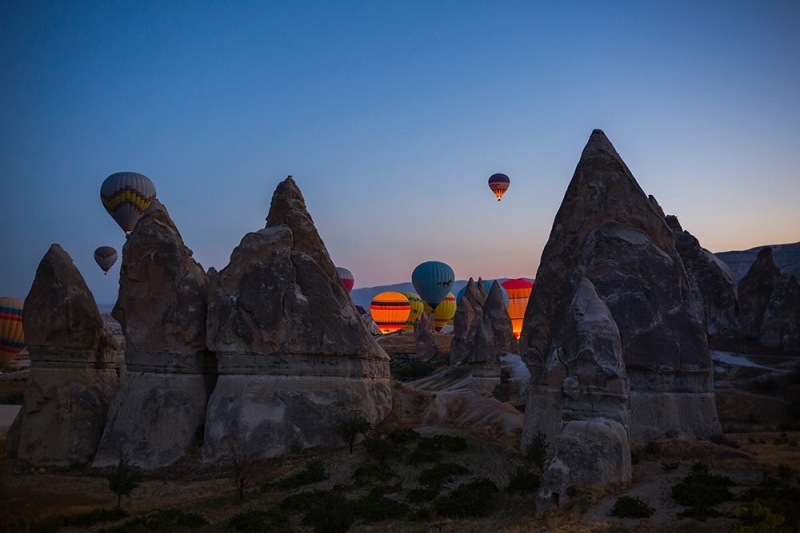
(466, 322)
(585, 401)
(294, 355)
(755, 291)
(609, 232)
(72, 378)
(424, 344)
(160, 409)
(711, 281)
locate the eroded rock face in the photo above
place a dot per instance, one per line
(780, 324)
(482, 329)
(426, 349)
(466, 321)
(710, 279)
(609, 232)
(294, 355)
(72, 378)
(160, 409)
(755, 291)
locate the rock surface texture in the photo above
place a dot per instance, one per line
(711, 281)
(609, 232)
(72, 379)
(295, 358)
(769, 304)
(159, 412)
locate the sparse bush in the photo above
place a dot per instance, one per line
(378, 446)
(429, 449)
(124, 478)
(242, 464)
(631, 507)
(374, 508)
(702, 491)
(757, 518)
(523, 480)
(257, 521)
(351, 426)
(381, 473)
(331, 513)
(474, 499)
(670, 466)
(536, 452)
(440, 474)
(312, 472)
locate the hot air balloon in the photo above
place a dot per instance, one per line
(12, 340)
(417, 306)
(390, 311)
(488, 286)
(347, 278)
(499, 183)
(444, 312)
(126, 196)
(105, 257)
(432, 280)
(519, 291)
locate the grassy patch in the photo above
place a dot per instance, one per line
(440, 474)
(700, 491)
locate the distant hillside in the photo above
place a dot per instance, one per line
(787, 258)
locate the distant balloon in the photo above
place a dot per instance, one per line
(12, 339)
(444, 312)
(433, 280)
(347, 278)
(519, 291)
(499, 183)
(488, 286)
(390, 311)
(105, 257)
(126, 196)
(417, 306)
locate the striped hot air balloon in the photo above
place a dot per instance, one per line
(105, 257)
(444, 312)
(499, 184)
(417, 306)
(519, 291)
(126, 196)
(347, 278)
(433, 280)
(390, 311)
(12, 339)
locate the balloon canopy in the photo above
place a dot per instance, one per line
(432, 280)
(12, 339)
(519, 291)
(499, 184)
(390, 311)
(444, 312)
(105, 257)
(347, 278)
(417, 306)
(126, 196)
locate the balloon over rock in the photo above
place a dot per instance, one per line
(126, 196)
(433, 280)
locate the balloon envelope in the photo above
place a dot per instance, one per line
(444, 311)
(519, 291)
(347, 278)
(105, 257)
(499, 184)
(390, 311)
(126, 196)
(12, 339)
(432, 280)
(417, 307)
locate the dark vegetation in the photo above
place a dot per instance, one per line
(630, 507)
(124, 478)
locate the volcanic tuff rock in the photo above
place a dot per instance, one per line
(609, 232)
(710, 279)
(467, 321)
(72, 378)
(294, 355)
(769, 304)
(424, 344)
(581, 401)
(161, 307)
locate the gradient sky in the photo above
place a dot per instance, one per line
(391, 116)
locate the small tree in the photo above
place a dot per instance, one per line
(353, 425)
(242, 464)
(124, 478)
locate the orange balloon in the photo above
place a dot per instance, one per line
(519, 291)
(390, 311)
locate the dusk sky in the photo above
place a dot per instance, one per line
(391, 116)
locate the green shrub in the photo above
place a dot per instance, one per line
(379, 447)
(331, 513)
(429, 449)
(523, 480)
(631, 507)
(422, 494)
(440, 474)
(301, 501)
(469, 500)
(257, 521)
(380, 473)
(701, 490)
(779, 495)
(404, 435)
(757, 518)
(124, 478)
(312, 472)
(374, 508)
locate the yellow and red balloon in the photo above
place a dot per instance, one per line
(444, 312)
(12, 338)
(519, 291)
(390, 311)
(417, 307)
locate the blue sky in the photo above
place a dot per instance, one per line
(391, 116)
